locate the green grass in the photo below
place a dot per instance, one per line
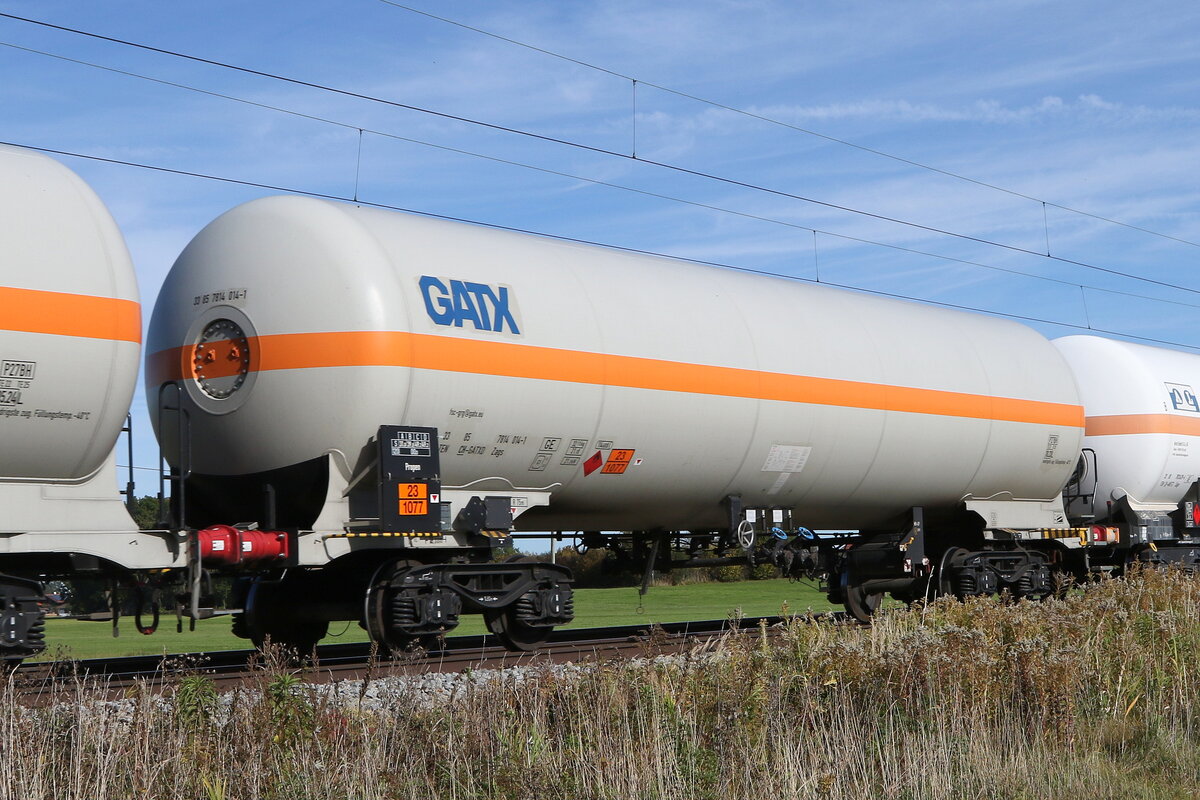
(593, 608)
(599, 607)
(67, 638)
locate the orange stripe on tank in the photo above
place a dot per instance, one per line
(452, 354)
(63, 314)
(1124, 424)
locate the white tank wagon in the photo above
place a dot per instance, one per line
(532, 356)
(591, 389)
(1142, 438)
(70, 345)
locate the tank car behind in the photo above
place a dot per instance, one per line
(71, 327)
(1141, 455)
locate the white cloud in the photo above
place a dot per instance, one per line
(1088, 106)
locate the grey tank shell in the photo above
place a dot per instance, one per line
(546, 363)
(1143, 422)
(70, 331)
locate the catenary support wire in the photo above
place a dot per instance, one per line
(601, 151)
(594, 181)
(327, 196)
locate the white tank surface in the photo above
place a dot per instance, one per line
(639, 391)
(70, 329)
(1143, 420)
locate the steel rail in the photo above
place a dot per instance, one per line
(49, 682)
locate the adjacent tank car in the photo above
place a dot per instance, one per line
(70, 346)
(1142, 436)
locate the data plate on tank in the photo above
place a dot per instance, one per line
(409, 479)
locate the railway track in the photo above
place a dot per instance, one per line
(43, 683)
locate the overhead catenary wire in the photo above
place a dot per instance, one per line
(577, 240)
(773, 121)
(360, 131)
(604, 151)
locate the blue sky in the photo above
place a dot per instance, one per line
(1091, 107)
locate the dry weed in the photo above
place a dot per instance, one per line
(1094, 695)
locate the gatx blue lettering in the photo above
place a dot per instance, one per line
(484, 306)
(438, 307)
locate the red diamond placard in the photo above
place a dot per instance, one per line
(592, 464)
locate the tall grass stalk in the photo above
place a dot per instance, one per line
(1096, 695)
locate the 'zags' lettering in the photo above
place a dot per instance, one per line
(1183, 398)
(485, 307)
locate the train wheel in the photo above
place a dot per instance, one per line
(515, 634)
(378, 623)
(509, 623)
(376, 618)
(379, 609)
(948, 568)
(862, 604)
(22, 620)
(267, 618)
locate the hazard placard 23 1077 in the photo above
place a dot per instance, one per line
(414, 499)
(618, 461)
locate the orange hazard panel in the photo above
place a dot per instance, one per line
(414, 508)
(618, 461)
(414, 499)
(412, 491)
